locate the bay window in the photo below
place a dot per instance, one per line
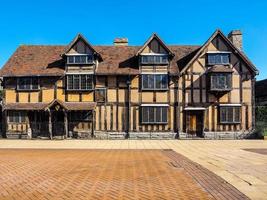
(220, 81)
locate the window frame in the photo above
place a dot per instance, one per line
(31, 81)
(73, 116)
(230, 109)
(89, 59)
(20, 115)
(163, 59)
(228, 81)
(228, 54)
(80, 88)
(154, 80)
(154, 114)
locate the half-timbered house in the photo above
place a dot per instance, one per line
(150, 91)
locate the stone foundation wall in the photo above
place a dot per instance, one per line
(152, 135)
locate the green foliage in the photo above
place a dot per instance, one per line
(261, 119)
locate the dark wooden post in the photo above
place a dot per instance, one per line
(93, 124)
(50, 125)
(66, 124)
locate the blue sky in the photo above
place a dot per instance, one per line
(176, 22)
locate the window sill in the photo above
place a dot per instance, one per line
(154, 63)
(154, 123)
(158, 90)
(220, 90)
(92, 63)
(230, 123)
(75, 90)
(210, 65)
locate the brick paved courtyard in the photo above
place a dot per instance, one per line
(107, 174)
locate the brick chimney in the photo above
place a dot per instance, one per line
(120, 42)
(236, 38)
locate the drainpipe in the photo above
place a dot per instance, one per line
(129, 106)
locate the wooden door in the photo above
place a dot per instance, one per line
(195, 123)
(192, 124)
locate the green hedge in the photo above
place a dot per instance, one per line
(261, 119)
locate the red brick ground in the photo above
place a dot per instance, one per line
(107, 174)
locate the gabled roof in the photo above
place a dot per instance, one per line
(155, 36)
(235, 49)
(71, 105)
(75, 40)
(40, 60)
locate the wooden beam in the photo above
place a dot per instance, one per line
(50, 125)
(66, 124)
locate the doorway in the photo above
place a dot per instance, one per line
(58, 123)
(194, 122)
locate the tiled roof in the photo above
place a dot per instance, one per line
(39, 60)
(24, 106)
(35, 60)
(43, 106)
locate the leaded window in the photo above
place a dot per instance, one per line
(79, 59)
(154, 59)
(16, 116)
(80, 116)
(79, 82)
(28, 83)
(154, 81)
(218, 58)
(154, 114)
(221, 81)
(230, 114)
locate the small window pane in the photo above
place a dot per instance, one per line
(77, 59)
(145, 81)
(237, 114)
(164, 114)
(223, 115)
(35, 83)
(158, 114)
(150, 81)
(76, 82)
(158, 81)
(145, 115)
(70, 82)
(83, 82)
(70, 59)
(151, 114)
(83, 59)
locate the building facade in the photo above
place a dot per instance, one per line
(120, 91)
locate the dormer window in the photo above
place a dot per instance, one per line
(218, 58)
(154, 59)
(80, 59)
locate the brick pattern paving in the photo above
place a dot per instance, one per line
(260, 151)
(212, 183)
(107, 174)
